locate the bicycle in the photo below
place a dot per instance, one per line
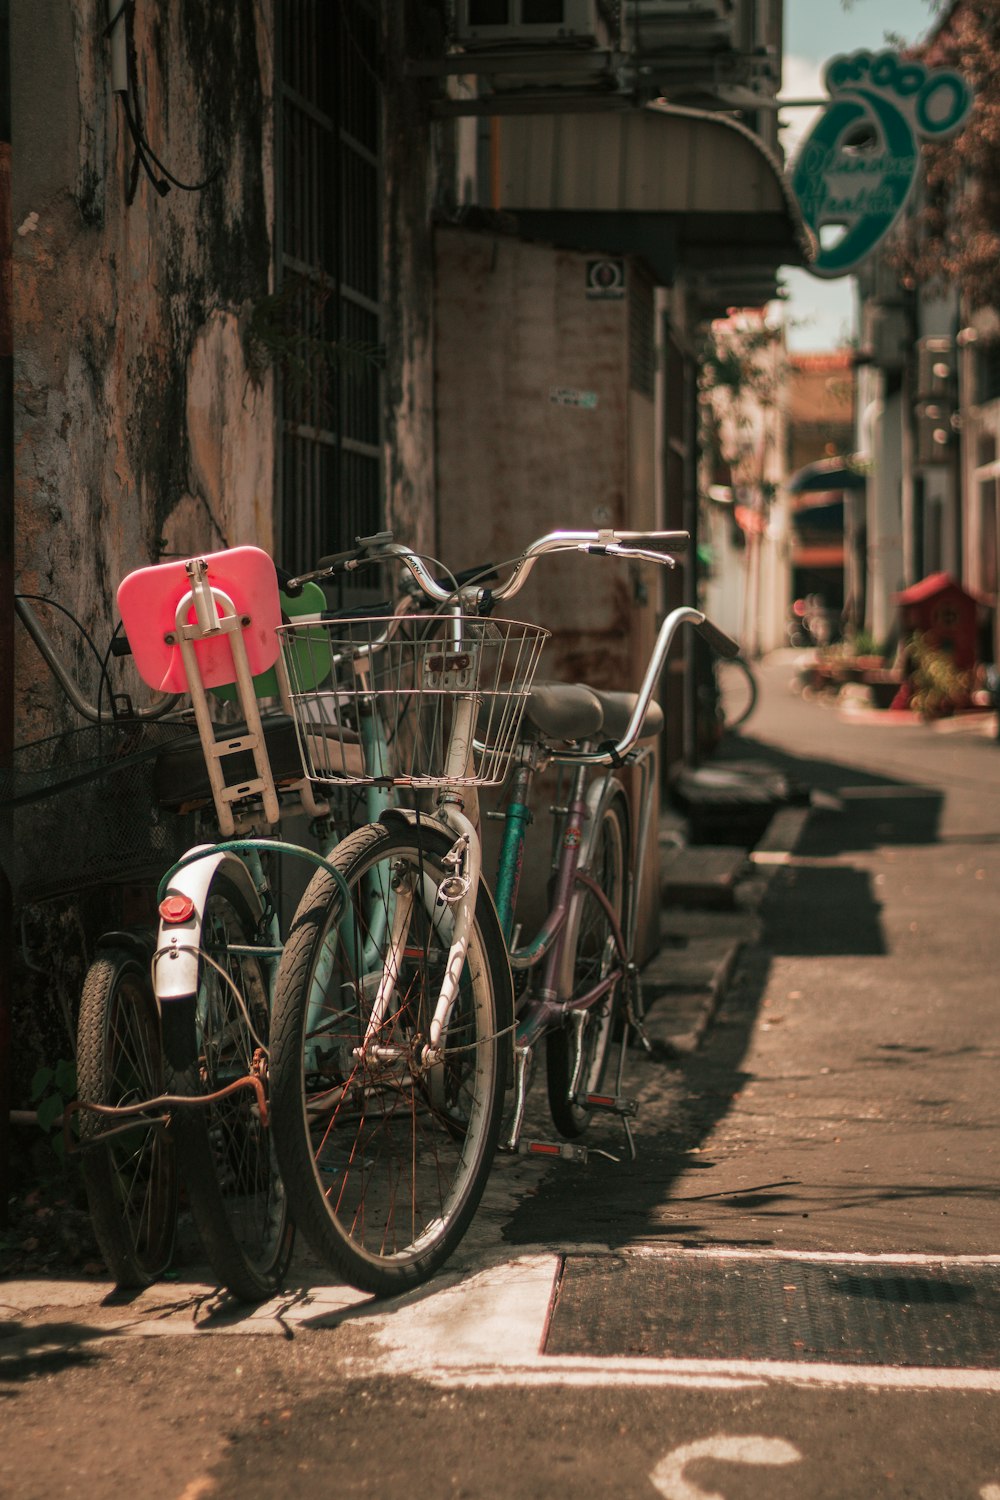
(175, 1065)
(736, 690)
(395, 1025)
(138, 770)
(113, 837)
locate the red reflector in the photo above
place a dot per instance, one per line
(539, 1148)
(177, 908)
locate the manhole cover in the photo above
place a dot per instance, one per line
(706, 1307)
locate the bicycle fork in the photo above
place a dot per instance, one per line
(457, 892)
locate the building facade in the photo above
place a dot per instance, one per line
(286, 272)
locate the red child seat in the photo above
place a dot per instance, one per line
(148, 600)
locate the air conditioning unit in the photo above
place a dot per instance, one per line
(678, 26)
(499, 23)
(682, 10)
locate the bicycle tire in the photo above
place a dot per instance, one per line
(131, 1179)
(592, 945)
(385, 1161)
(225, 1152)
(737, 691)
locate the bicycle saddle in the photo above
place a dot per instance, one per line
(563, 710)
(618, 709)
(573, 711)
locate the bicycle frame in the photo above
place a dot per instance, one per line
(457, 810)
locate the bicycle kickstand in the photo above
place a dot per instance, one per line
(613, 1104)
(635, 1010)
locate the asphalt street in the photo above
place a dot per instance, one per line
(793, 1291)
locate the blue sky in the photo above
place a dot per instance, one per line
(820, 313)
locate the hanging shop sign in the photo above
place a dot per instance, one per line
(857, 167)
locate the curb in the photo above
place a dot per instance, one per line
(688, 979)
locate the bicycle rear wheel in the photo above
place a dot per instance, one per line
(385, 1157)
(225, 1149)
(575, 1071)
(131, 1178)
(737, 688)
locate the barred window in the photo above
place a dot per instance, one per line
(328, 275)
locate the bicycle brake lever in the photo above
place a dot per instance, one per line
(616, 549)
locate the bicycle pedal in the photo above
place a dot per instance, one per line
(612, 1104)
(567, 1150)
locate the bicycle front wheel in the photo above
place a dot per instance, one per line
(576, 1063)
(384, 1155)
(130, 1178)
(225, 1147)
(737, 691)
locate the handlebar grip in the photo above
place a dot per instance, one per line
(364, 545)
(656, 541)
(288, 583)
(336, 560)
(720, 642)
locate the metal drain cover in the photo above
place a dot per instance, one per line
(715, 1307)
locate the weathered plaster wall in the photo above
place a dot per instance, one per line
(412, 174)
(139, 428)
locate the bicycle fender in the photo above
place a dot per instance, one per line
(176, 960)
(139, 944)
(600, 794)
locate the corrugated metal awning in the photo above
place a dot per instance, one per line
(684, 189)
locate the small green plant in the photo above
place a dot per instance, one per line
(863, 643)
(938, 687)
(51, 1090)
(290, 330)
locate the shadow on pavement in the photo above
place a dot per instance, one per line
(31, 1350)
(823, 909)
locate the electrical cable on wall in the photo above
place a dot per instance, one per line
(125, 83)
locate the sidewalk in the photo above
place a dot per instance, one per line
(821, 935)
(713, 892)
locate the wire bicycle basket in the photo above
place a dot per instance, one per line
(391, 697)
(82, 810)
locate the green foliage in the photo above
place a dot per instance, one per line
(51, 1090)
(954, 237)
(742, 381)
(938, 688)
(863, 643)
(290, 330)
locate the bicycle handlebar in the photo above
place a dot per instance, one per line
(684, 615)
(721, 643)
(86, 709)
(644, 546)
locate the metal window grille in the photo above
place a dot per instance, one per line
(329, 256)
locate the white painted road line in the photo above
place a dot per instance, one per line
(487, 1328)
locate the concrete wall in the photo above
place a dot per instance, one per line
(141, 425)
(517, 343)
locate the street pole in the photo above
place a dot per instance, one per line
(6, 590)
